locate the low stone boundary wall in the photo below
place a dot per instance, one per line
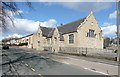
(48, 48)
(94, 52)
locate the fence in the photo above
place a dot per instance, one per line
(94, 52)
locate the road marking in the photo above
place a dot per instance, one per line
(104, 73)
(26, 64)
(65, 62)
(40, 75)
(91, 61)
(33, 69)
(96, 71)
(61, 61)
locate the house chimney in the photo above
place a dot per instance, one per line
(61, 24)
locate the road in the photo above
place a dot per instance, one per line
(18, 61)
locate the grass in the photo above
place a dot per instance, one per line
(95, 56)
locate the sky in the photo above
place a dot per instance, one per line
(52, 14)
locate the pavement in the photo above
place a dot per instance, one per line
(92, 59)
(102, 66)
(22, 61)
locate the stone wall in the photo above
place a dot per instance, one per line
(48, 48)
(93, 52)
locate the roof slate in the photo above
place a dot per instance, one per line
(64, 29)
(27, 35)
(70, 27)
(47, 32)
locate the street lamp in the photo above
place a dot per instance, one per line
(118, 33)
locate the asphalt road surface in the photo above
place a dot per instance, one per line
(18, 61)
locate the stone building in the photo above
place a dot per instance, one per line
(43, 38)
(83, 33)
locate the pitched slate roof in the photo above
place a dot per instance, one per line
(67, 28)
(51, 32)
(26, 36)
(47, 32)
(70, 27)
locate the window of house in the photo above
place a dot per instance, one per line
(71, 38)
(38, 41)
(119, 40)
(55, 40)
(48, 41)
(99, 35)
(38, 33)
(91, 33)
(92, 23)
(26, 39)
(29, 40)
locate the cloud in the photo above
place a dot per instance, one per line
(9, 18)
(30, 26)
(112, 15)
(20, 11)
(69, 0)
(14, 36)
(84, 6)
(13, 14)
(109, 30)
(49, 23)
(11, 36)
(106, 24)
(25, 26)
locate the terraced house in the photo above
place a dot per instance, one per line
(83, 33)
(26, 40)
(42, 39)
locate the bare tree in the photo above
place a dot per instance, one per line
(11, 6)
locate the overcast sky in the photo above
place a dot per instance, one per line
(51, 14)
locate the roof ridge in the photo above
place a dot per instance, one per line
(51, 31)
(70, 27)
(46, 27)
(27, 35)
(72, 22)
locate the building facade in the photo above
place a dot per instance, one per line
(43, 38)
(83, 33)
(25, 41)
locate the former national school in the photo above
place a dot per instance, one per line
(83, 33)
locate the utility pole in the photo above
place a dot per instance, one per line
(117, 22)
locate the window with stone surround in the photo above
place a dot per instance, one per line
(71, 38)
(91, 33)
(48, 41)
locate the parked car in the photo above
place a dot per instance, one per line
(5, 46)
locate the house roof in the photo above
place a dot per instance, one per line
(67, 28)
(51, 32)
(26, 36)
(70, 27)
(47, 32)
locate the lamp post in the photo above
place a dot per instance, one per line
(117, 23)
